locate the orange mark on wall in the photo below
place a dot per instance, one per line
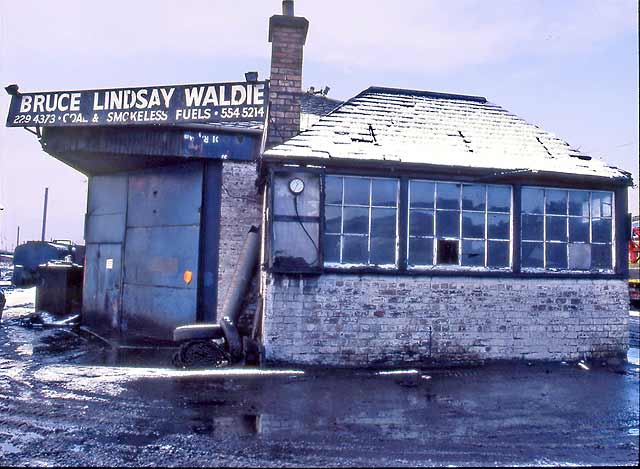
(188, 276)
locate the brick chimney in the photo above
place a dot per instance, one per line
(287, 34)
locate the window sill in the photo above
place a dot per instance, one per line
(568, 271)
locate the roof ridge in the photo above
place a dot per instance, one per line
(426, 93)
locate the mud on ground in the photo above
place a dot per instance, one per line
(65, 399)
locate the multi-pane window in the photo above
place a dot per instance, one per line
(566, 229)
(361, 221)
(459, 224)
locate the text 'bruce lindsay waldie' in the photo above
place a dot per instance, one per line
(169, 104)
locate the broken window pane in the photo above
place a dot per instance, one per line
(579, 256)
(601, 230)
(355, 249)
(356, 191)
(383, 222)
(601, 204)
(356, 220)
(420, 251)
(556, 202)
(472, 225)
(473, 197)
(533, 227)
(579, 203)
(499, 198)
(333, 219)
(333, 190)
(556, 255)
(532, 200)
(421, 194)
(533, 255)
(498, 254)
(499, 226)
(421, 223)
(473, 253)
(579, 229)
(383, 250)
(448, 224)
(332, 248)
(448, 195)
(601, 256)
(556, 228)
(384, 192)
(447, 251)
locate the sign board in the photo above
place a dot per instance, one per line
(169, 105)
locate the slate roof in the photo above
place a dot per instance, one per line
(423, 127)
(313, 106)
(318, 104)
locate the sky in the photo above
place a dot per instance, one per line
(570, 67)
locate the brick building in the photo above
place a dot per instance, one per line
(398, 227)
(413, 226)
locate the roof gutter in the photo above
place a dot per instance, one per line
(486, 174)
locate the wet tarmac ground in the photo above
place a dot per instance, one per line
(65, 399)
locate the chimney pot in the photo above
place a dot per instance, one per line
(287, 8)
(251, 76)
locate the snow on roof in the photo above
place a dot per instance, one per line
(312, 107)
(423, 127)
(315, 106)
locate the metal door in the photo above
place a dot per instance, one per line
(161, 250)
(104, 235)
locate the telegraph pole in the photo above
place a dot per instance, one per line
(44, 212)
(18, 237)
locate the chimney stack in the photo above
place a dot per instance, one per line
(287, 34)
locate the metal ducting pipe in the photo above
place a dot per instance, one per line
(235, 295)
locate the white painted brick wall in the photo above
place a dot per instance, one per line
(358, 320)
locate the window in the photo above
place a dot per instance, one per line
(361, 221)
(295, 231)
(566, 229)
(459, 224)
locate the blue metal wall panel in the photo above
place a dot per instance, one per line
(105, 228)
(160, 256)
(107, 194)
(101, 295)
(166, 196)
(154, 312)
(104, 234)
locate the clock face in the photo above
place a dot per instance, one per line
(296, 186)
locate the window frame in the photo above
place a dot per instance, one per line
(567, 216)
(459, 267)
(516, 185)
(344, 265)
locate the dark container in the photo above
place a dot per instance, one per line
(28, 256)
(59, 288)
